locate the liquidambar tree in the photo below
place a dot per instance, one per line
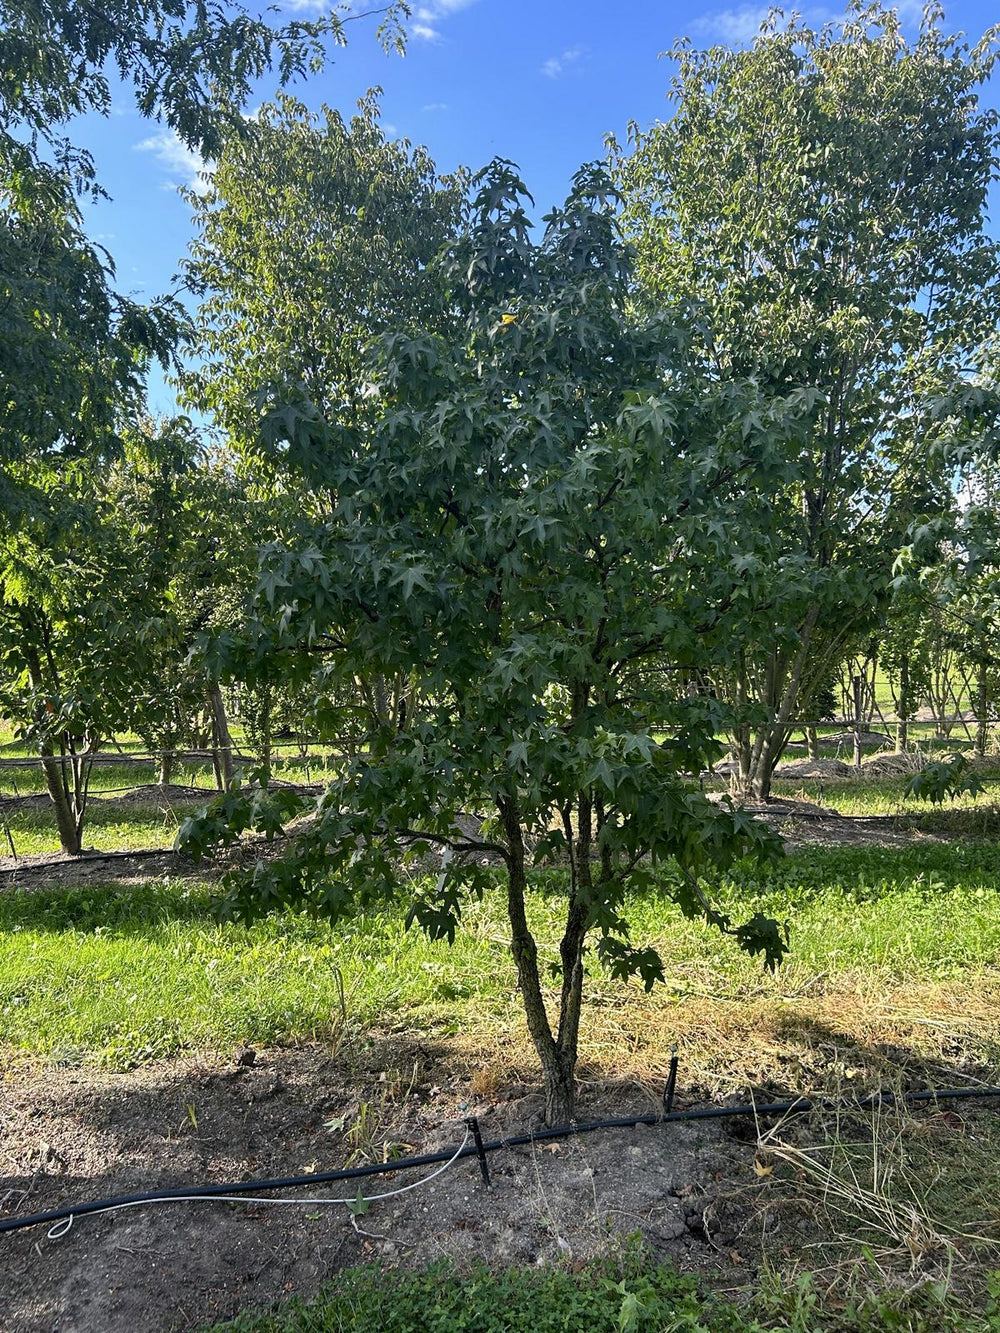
(820, 200)
(540, 522)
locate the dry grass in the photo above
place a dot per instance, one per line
(906, 1192)
(801, 1041)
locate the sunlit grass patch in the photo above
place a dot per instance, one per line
(894, 956)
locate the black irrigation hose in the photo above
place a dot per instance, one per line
(480, 1149)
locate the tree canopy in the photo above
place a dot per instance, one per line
(819, 199)
(539, 524)
(315, 235)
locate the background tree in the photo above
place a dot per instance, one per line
(906, 654)
(539, 522)
(73, 353)
(316, 236)
(194, 522)
(80, 617)
(819, 199)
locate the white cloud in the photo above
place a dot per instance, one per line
(735, 27)
(185, 166)
(427, 17)
(557, 65)
(435, 106)
(441, 7)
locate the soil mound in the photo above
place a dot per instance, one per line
(813, 768)
(870, 740)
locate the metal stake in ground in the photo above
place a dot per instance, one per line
(671, 1088)
(484, 1166)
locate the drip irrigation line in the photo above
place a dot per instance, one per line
(479, 1149)
(61, 1227)
(123, 758)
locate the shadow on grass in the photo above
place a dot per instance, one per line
(132, 908)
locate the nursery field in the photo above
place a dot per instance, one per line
(490, 660)
(148, 1043)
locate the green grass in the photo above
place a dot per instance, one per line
(112, 825)
(123, 973)
(107, 829)
(637, 1296)
(107, 777)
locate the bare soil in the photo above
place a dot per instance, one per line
(71, 1135)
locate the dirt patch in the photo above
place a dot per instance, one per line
(804, 827)
(47, 870)
(870, 740)
(813, 768)
(74, 1135)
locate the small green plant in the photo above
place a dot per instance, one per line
(943, 779)
(628, 1294)
(359, 1205)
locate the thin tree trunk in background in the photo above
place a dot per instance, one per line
(903, 703)
(982, 710)
(772, 738)
(224, 770)
(166, 768)
(812, 743)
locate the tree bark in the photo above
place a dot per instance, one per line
(224, 771)
(560, 1093)
(557, 1066)
(903, 704)
(70, 828)
(166, 768)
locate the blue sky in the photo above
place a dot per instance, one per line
(538, 81)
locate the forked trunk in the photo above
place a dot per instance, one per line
(557, 1056)
(70, 830)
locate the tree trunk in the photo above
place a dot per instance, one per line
(70, 830)
(903, 703)
(560, 1092)
(558, 1065)
(166, 768)
(773, 737)
(812, 743)
(982, 710)
(224, 771)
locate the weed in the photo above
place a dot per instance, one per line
(632, 1294)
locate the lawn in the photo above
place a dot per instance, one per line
(889, 945)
